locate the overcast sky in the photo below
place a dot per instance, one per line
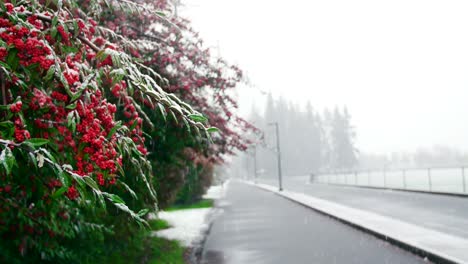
(400, 66)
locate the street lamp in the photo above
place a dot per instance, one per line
(278, 153)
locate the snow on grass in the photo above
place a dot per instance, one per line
(189, 225)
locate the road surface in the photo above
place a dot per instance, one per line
(447, 214)
(260, 227)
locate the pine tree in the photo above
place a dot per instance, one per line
(342, 135)
(313, 137)
(326, 140)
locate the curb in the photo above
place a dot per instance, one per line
(196, 252)
(461, 195)
(196, 255)
(431, 256)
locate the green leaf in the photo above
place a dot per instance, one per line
(197, 131)
(7, 159)
(54, 21)
(36, 142)
(186, 124)
(71, 106)
(142, 212)
(117, 75)
(50, 73)
(198, 118)
(70, 119)
(134, 124)
(161, 14)
(132, 193)
(78, 179)
(114, 129)
(174, 117)
(66, 181)
(59, 192)
(64, 82)
(82, 87)
(76, 28)
(115, 198)
(13, 59)
(212, 129)
(176, 108)
(53, 32)
(91, 183)
(33, 159)
(7, 129)
(162, 109)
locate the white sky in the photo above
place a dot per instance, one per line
(400, 66)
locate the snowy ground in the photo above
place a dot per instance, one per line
(190, 225)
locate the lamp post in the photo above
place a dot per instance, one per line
(278, 153)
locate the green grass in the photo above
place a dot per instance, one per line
(149, 250)
(205, 203)
(165, 251)
(158, 224)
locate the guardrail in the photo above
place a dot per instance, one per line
(440, 180)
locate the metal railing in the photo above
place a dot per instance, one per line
(439, 179)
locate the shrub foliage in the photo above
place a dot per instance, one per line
(106, 107)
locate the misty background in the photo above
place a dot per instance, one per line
(398, 68)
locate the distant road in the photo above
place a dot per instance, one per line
(259, 227)
(447, 214)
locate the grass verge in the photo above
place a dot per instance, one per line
(158, 224)
(165, 251)
(204, 203)
(149, 249)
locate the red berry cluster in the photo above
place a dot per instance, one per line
(30, 50)
(21, 134)
(16, 107)
(65, 35)
(72, 193)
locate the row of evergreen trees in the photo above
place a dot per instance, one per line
(310, 141)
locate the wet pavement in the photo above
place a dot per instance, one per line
(257, 226)
(446, 214)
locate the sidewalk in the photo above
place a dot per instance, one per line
(439, 246)
(258, 226)
(442, 213)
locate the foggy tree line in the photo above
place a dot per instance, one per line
(310, 141)
(437, 156)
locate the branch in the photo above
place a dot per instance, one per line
(8, 142)
(48, 19)
(3, 88)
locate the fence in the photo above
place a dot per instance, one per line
(447, 180)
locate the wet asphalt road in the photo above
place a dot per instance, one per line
(447, 214)
(258, 227)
